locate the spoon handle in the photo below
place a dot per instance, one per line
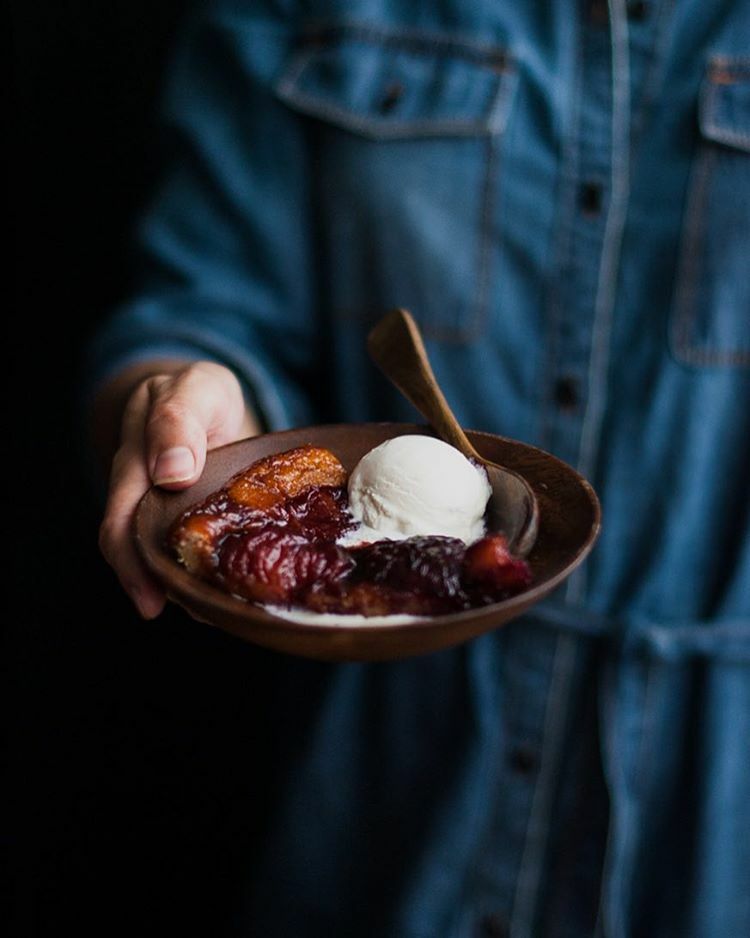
(395, 345)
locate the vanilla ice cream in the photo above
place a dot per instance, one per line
(413, 485)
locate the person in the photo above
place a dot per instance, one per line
(560, 194)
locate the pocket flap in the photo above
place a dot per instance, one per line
(397, 84)
(725, 102)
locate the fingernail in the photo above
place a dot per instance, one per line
(174, 465)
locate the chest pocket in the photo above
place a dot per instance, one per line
(405, 129)
(711, 315)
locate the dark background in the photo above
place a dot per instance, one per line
(134, 747)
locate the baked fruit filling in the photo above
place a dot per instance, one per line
(270, 536)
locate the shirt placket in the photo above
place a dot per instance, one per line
(536, 668)
(590, 219)
(584, 207)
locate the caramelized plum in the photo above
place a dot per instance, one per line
(430, 565)
(275, 565)
(419, 576)
(296, 485)
(422, 576)
(321, 514)
(490, 567)
(199, 530)
(270, 536)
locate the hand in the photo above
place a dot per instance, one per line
(170, 420)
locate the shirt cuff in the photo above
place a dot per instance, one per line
(257, 384)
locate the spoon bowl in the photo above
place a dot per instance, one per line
(395, 345)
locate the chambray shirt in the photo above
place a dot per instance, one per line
(560, 193)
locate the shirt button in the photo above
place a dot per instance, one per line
(590, 198)
(524, 760)
(316, 39)
(566, 393)
(493, 926)
(637, 10)
(599, 12)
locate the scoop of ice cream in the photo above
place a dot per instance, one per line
(414, 485)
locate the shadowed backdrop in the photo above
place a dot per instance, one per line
(137, 750)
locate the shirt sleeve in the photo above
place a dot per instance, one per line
(223, 251)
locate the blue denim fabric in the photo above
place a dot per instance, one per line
(560, 193)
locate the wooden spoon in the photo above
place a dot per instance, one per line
(395, 345)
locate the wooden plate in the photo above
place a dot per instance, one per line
(569, 518)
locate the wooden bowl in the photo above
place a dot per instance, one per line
(568, 524)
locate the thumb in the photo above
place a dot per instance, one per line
(185, 409)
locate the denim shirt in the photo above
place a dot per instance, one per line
(560, 193)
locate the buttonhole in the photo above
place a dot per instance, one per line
(499, 62)
(566, 393)
(524, 760)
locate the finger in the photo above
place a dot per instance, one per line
(129, 481)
